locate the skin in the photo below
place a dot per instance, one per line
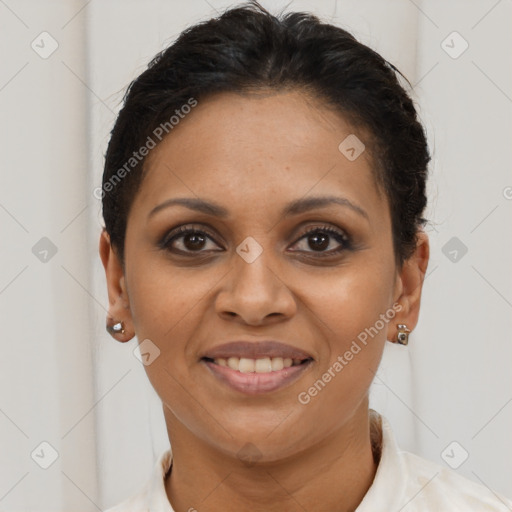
(253, 155)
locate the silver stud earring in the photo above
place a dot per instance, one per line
(402, 336)
(117, 328)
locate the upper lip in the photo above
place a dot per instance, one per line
(255, 350)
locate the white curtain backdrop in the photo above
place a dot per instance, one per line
(80, 426)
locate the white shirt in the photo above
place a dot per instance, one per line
(403, 482)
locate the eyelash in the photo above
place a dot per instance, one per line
(339, 236)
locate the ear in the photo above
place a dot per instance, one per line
(119, 305)
(409, 285)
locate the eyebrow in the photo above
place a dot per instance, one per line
(294, 208)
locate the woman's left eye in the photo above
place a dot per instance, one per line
(321, 238)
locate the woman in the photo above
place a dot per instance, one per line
(263, 195)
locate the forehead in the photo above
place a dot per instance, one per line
(253, 150)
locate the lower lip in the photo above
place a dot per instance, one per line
(257, 383)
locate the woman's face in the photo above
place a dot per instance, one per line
(255, 172)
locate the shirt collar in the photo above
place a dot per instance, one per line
(158, 501)
(388, 486)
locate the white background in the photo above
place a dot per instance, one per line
(63, 380)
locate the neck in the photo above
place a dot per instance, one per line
(336, 472)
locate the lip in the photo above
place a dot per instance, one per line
(255, 350)
(257, 383)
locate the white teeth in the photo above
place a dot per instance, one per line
(277, 364)
(232, 362)
(246, 365)
(263, 365)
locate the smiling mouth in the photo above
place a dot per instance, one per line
(257, 376)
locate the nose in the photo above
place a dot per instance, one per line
(255, 294)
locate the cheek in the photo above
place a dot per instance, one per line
(350, 350)
(163, 299)
(167, 308)
(352, 313)
(351, 302)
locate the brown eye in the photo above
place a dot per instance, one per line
(194, 241)
(318, 240)
(186, 240)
